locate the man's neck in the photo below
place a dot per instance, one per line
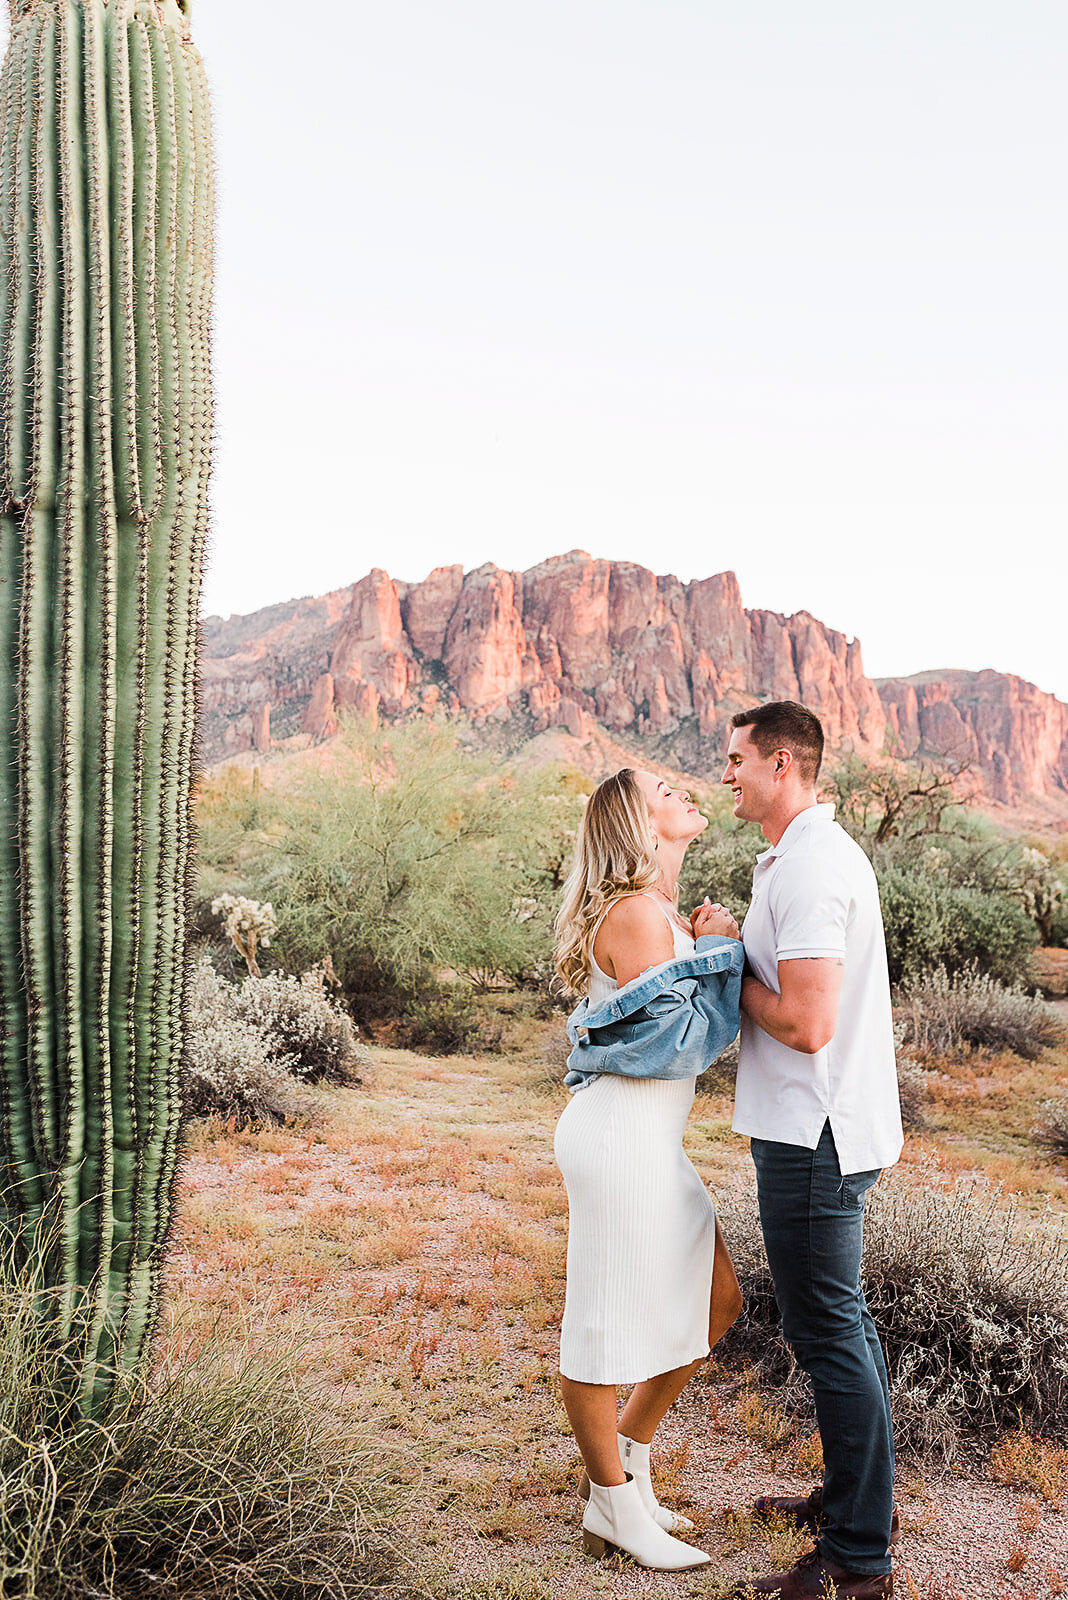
(775, 826)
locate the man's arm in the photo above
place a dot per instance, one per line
(804, 1014)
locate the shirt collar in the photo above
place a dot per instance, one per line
(823, 811)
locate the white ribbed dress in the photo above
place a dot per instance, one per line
(641, 1228)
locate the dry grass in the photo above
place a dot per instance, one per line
(1025, 1462)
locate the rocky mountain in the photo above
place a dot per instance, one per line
(576, 642)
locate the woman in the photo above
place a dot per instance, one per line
(650, 1286)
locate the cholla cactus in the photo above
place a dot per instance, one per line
(105, 435)
(1041, 890)
(249, 926)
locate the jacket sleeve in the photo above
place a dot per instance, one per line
(676, 1033)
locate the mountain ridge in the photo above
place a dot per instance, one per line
(576, 642)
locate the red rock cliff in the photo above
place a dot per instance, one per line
(576, 641)
(1015, 735)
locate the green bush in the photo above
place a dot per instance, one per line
(443, 1024)
(412, 855)
(720, 861)
(931, 924)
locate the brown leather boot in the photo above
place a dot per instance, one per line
(815, 1578)
(807, 1510)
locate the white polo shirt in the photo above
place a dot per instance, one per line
(815, 895)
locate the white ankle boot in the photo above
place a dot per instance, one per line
(635, 1459)
(616, 1519)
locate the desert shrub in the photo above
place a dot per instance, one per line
(228, 1477)
(303, 1027)
(719, 1078)
(441, 1024)
(911, 1093)
(945, 1014)
(1058, 933)
(452, 1022)
(252, 1044)
(521, 1584)
(931, 924)
(412, 855)
(887, 803)
(1051, 1128)
(1024, 1462)
(972, 1311)
(230, 1065)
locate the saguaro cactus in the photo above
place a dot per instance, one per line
(105, 290)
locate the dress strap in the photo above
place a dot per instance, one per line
(593, 940)
(668, 913)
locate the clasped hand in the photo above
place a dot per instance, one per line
(709, 918)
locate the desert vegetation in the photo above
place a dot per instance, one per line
(355, 1389)
(411, 1227)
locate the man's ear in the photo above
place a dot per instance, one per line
(784, 760)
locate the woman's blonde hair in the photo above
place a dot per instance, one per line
(615, 856)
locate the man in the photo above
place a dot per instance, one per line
(817, 1094)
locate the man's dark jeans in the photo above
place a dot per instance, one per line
(813, 1222)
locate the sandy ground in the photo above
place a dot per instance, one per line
(459, 1367)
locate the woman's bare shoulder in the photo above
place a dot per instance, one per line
(634, 935)
(634, 914)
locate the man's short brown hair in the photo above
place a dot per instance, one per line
(785, 725)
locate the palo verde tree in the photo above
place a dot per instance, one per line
(105, 288)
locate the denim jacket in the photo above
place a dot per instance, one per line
(670, 1022)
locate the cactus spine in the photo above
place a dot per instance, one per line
(105, 295)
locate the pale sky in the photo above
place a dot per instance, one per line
(776, 286)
